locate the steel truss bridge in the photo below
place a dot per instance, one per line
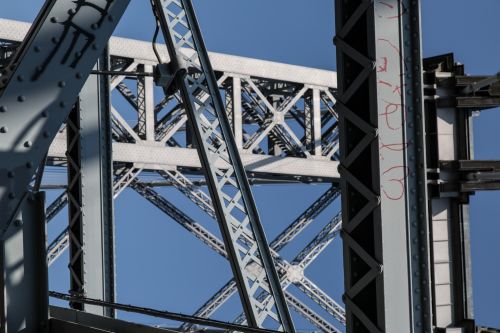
(390, 132)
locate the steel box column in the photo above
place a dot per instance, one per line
(25, 287)
(90, 194)
(383, 167)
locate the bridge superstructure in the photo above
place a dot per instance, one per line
(390, 131)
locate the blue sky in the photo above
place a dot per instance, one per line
(162, 266)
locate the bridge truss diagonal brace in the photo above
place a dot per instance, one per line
(229, 188)
(383, 166)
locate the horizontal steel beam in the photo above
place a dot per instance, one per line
(123, 47)
(161, 314)
(158, 157)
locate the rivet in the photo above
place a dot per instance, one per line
(20, 78)
(28, 144)
(45, 114)
(61, 84)
(4, 129)
(95, 46)
(78, 54)
(94, 26)
(18, 222)
(62, 104)
(72, 11)
(53, 19)
(21, 98)
(12, 195)
(11, 174)
(55, 40)
(78, 75)
(46, 134)
(3, 109)
(29, 165)
(37, 49)
(110, 18)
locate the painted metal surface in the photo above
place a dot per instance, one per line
(90, 194)
(380, 104)
(73, 33)
(251, 263)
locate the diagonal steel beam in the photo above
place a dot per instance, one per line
(30, 120)
(180, 29)
(200, 232)
(294, 273)
(202, 200)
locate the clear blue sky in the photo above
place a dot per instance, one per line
(161, 266)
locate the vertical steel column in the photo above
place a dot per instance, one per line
(317, 122)
(383, 166)
(251, 262)
(90, 194)
(25, 286)
(237, 113)
(146, 104)
(308, 121)
(449, 138)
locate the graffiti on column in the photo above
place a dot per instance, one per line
(392, 112)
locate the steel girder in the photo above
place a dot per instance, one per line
(449, 135)
(255, 83)
(90, 194)
(229, 188)
(385, 229)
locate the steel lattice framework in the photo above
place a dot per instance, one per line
(210, 125)
(274, 105)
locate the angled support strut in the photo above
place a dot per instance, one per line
(235, 208)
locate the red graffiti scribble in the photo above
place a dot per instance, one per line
(403, 11)
(390, 109)
(397, 90)
(394, 146)
(385, 83)
(386, 4)
(401, 181)
(383, 67)
(394, 47)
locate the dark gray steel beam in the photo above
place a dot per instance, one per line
(25, 287)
